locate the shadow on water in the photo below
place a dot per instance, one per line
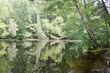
(51, 57)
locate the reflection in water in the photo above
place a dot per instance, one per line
(50, 57)
(12, 51)
(53, 51)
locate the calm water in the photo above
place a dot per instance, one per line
(49, 57)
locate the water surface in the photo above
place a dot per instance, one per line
(49, 57)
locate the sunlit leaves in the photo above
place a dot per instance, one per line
(2, 25)
(12, 28)
(59, 20)
(21, 14)
(3, 30)
(4, 9)
(27, 34)
(53, 29)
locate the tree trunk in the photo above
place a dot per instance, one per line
(40, 33)
(90, 35)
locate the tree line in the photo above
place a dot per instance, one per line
(84, 20)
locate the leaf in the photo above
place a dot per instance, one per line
(2, 25)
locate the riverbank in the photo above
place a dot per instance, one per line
(40, 40)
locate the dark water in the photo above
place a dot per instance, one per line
(50, 57)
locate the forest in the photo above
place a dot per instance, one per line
(85, 20)
(54, 36)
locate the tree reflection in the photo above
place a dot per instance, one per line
(48, 57)
(54, 51)
(12, 51)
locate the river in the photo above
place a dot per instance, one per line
(50, 57)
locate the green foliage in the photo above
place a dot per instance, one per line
(55, 19)
(3, 30)
(53, 29)
(12, 28)
(22, 15)
(5, 9)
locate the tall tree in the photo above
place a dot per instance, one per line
(91, 37)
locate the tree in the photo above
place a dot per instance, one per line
(22, 15)
(12, 28)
